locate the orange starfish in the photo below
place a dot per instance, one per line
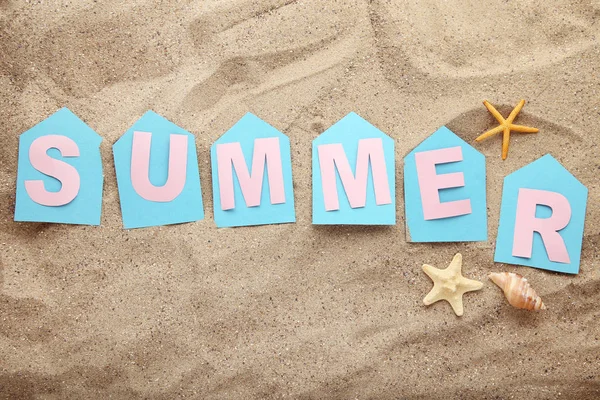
(505, 126)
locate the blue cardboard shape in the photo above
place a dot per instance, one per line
(546, 174)
(86, 207)
(470, 227)
(352, 132)
(139, 212)
(246, 136)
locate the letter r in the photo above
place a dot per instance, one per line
(526, 223)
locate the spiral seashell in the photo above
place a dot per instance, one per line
(518, 291)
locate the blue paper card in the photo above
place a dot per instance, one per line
(83, 206)
(544, 174)
(183, 202)
(469, 227)
(354, 180)
(238, 158)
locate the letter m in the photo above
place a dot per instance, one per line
(370, 152)
(230, 158)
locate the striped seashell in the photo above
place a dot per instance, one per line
(518, 291)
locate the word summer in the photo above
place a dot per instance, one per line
(60, 180)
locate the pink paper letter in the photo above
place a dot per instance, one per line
(65, 173)
(332, 156)
(526, 223)
(430, 183)
(140, 166)
(230, 156)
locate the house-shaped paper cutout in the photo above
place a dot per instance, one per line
(138, 212)
(245, 132)
(348, 131)
(464, 228)
(86, 207)
(546, 173)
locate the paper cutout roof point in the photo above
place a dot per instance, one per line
(548, 165)
(444, 137)
(62, 122)
(249, 126)
(354, 126)
(148, 123)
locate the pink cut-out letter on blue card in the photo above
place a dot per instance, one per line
(157, 174)
(252, 175)
(354, 181)
(59, 176)
(444, 190)
(542, 217)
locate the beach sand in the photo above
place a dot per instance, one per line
(295, 310)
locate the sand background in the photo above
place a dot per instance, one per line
(294, 311)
